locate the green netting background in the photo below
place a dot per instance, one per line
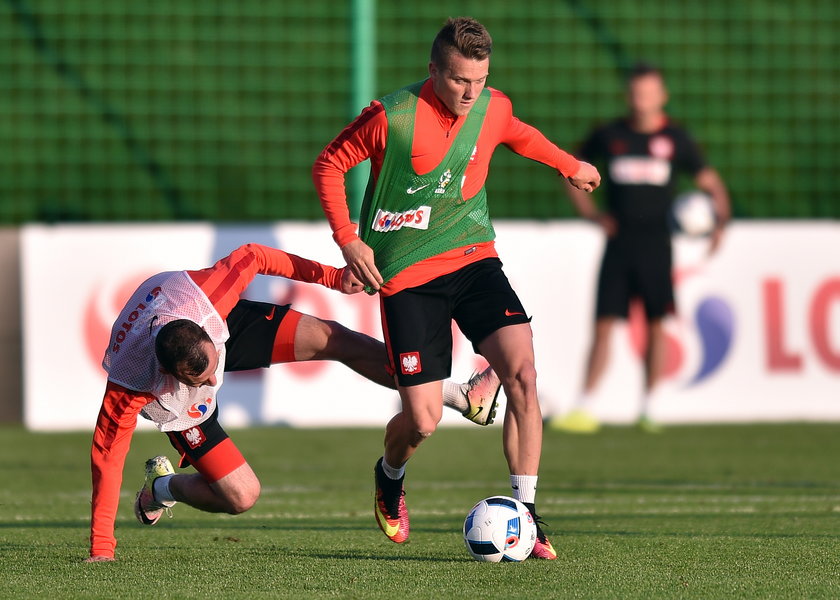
(215, 109)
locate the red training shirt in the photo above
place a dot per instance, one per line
(434, 130)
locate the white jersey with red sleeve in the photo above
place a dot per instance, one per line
(130, 358)
(135, 383)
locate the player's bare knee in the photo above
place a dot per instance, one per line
(524, 378)
(339, 341)
(521, 388)
(419, 436)
(422, 431)
(243, 500)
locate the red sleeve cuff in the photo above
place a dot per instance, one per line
(334, 278)
(345, 235)
(569, 165)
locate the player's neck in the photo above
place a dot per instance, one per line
(648, 123)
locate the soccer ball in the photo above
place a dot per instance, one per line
(499, 529)
(694, 213)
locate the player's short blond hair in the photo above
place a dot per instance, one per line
(463, 35)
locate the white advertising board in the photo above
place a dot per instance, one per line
(756, 338)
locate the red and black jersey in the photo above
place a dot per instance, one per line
(640, 171)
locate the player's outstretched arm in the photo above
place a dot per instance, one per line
(225, 281)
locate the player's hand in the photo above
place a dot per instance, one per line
(350, 284)
(99, 558)
(714, 240)
(607, 223)
(587, 178)
(359, 259)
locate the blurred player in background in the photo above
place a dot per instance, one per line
(425, 243)
(169, 349)
(642, 155)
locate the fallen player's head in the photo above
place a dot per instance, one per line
(185, 351)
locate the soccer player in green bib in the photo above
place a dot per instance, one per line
(425, 244)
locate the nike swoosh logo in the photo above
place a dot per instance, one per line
(270, 315)
(511, 314)
(414, 190)
(390, 530)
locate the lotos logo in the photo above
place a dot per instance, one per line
(199, 409)
(100, 311)
(716, 326)
(417, 218)
(139, 316)
(714, 322)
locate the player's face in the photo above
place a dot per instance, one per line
(208, 377)
(459, 82)
(646, 94)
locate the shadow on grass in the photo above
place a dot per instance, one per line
(232, 525)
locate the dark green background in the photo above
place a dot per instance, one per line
(216, 109)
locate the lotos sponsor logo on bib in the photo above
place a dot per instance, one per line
(141, 314)
(417, 218)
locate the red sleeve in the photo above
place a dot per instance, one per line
(362, 139)
(225, 281)
(528, 141)
(111, 440)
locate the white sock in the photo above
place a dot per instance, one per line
(524, 487)
(161, 491)
(391, 472)
(584, 402)
(454, 395)
(648, 397)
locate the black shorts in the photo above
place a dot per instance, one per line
(418, 321)
(253, 328)
(208, 448)
(636, 267)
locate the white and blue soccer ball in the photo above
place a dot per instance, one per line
(499, 529)
(694, 213)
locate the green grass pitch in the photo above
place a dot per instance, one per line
(695, 512)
